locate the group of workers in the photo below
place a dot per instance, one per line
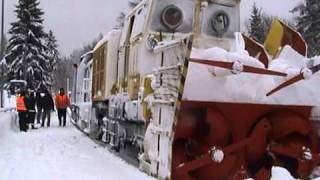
(34, 108)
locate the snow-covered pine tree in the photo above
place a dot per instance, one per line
(26, 57)
(308, 25)
(5, 43)
(52, 54)
(3, 64)
(257, 27)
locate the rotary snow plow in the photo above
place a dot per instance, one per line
(221, 135)
(224, 133)
(215, 114)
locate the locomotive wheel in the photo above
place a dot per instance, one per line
(117, 142)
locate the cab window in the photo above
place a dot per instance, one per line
(173, 16)
(140, 18)
(221, 20)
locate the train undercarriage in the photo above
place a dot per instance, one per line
(111, 126)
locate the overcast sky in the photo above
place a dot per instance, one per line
(76, 22)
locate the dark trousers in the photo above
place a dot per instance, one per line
(39, 115)
(46, 115)
(31, 118)
(62, 115)
(23, 120)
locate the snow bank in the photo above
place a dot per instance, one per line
(206, 83)
(279, 173)
(57, 153)
(9, 101)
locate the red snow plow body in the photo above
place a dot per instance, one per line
(237, 141)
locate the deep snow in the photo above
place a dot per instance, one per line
(202, 80)
(57, 154)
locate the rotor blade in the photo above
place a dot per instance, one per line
(256, 70)
(287, 83)
(221, 64)
(229, 65)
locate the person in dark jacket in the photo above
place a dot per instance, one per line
(48, 106)
(39, 96)
(31, 106)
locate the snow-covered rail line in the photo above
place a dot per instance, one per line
(123, 155)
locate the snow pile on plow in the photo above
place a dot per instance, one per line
(237, 86)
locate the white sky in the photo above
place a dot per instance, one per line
(76, 22)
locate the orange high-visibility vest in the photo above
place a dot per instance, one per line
(62, 101)
(20, 104)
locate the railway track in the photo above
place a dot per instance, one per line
(125, 154)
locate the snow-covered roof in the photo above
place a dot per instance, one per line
(85, 58)
(106, 38)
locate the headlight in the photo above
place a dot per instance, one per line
(152, 42)
(172, 17)
(220, 22)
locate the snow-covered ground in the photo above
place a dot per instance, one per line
(9, 101)
(57, 154)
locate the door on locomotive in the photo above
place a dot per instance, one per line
(82, 108)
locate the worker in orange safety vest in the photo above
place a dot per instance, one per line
(62, 103)
(22, 111)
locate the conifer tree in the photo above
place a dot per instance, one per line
(52, 55)
(26, 56)
(257, 27)
(308, 25)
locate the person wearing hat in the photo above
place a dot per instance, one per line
(39, 104)
(31, 106)
(62, 103)
(48, 106)
(22, 111)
